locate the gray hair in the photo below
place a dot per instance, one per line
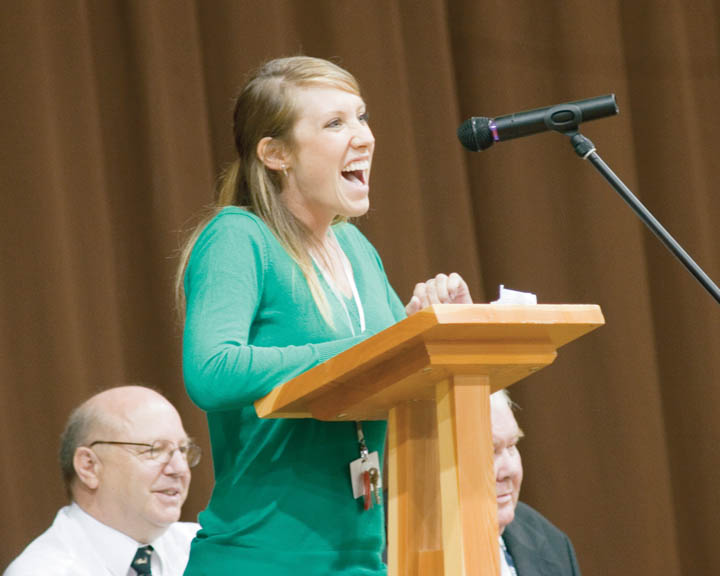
(505, 395)
(83, 421)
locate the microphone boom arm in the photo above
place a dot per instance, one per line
(586, 150)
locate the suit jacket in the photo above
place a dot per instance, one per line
(538, 548)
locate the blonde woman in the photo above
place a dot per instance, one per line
(275, 282)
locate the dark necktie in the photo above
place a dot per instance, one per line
(141, 562)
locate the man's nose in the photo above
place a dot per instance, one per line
(503, 465)
(177, 464)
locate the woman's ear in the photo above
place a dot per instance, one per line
(273, 153)
(87, 467)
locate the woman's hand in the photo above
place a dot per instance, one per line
(442, 289)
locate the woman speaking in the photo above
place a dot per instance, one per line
(276, 281)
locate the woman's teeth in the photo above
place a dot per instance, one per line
(355, 171)
(359, 165)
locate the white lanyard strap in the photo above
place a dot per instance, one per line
(361, 441)
(353, 287)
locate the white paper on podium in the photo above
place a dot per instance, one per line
(509, 297)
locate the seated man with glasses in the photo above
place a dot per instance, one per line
(125, 459)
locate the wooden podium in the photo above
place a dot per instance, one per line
(431, 376)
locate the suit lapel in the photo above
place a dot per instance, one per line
(530, 550)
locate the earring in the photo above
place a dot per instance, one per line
(284, 170)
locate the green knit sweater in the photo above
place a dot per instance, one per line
(282, 501)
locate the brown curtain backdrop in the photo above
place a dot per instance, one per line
(116, 123)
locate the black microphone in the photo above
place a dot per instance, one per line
(479, 133)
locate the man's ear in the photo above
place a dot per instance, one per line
(273, 153)
(87, 467)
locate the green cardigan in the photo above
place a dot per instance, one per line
(282, 501)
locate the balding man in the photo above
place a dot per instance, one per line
(126, 460)
(529, 544)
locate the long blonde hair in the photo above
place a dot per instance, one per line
(266, 107)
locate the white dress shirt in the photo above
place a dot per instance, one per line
(76, 544)
(505, 569)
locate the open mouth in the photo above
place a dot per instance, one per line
(356, 172)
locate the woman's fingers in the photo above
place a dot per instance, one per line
(442, 289)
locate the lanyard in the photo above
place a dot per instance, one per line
(347, 269)
(361, 441)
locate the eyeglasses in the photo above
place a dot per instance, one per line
(162, 451)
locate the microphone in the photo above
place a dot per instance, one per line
(479, 133)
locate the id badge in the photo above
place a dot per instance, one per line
(358, 468)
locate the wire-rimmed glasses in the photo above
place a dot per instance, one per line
(161, 451)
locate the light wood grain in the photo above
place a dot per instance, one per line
(404, 362)
(431, 376)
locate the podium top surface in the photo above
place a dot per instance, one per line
(402, 363)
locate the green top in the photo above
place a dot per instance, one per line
(282, 500)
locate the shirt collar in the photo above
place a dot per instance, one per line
(115, 548)
(159, 545)
(504, 567)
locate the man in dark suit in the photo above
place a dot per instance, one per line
(529, 544)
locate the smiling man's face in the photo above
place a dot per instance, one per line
(135, 494)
